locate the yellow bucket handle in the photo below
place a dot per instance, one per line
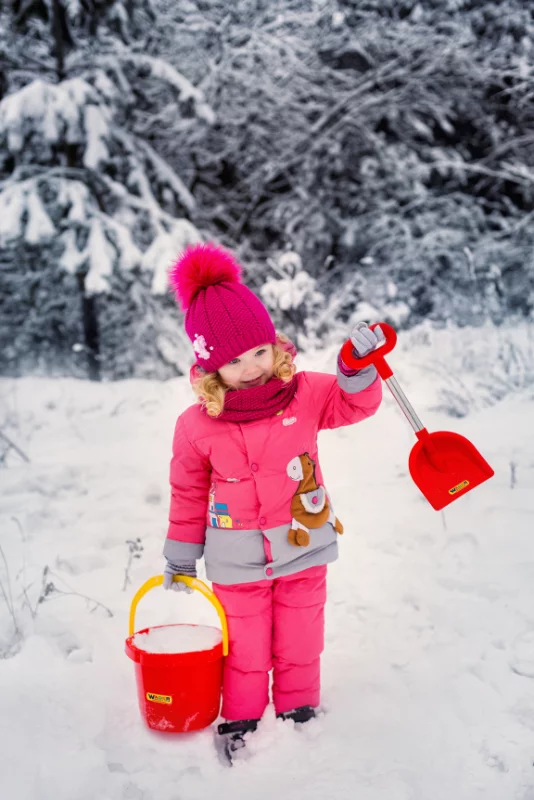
(193, 583)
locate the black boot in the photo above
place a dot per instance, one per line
(298, 715)
(233, 736)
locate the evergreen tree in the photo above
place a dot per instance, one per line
(90, 214)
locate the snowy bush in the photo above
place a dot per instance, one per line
(468, 371)
(291, 296)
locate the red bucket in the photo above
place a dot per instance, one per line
(178, 692)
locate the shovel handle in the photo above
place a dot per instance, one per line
(375, 357)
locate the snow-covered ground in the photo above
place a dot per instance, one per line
(428, 673)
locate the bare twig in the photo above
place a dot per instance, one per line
(135, 548)
(7, 595)
(513, 467)
(490, 173)
(50, 591)
(21, 531)
(97, 604)
(14, 447)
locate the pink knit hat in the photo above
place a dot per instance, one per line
(223, 318)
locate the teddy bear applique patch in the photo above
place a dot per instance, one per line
(310, 505)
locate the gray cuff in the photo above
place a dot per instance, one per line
(352, 384)
(190, 569)
(178, 552)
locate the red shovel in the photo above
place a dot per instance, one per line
(443, 465)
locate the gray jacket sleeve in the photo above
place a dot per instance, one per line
(353, 382)
(182, 552)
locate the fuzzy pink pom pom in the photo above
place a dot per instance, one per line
(199, 266)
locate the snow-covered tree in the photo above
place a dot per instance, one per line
(351, 132)
(386, 144)
(84, 195)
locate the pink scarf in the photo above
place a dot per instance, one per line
(243, 405)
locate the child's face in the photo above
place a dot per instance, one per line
(253, 368)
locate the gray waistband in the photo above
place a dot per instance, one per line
(239, 556)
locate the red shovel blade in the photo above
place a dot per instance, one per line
(443, 465)
(446, 466)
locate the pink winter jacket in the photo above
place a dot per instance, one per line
(233, 483)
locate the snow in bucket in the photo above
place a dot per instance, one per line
(178, 639)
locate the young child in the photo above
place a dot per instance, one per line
(247, 488)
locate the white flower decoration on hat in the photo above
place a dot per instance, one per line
(200, 347)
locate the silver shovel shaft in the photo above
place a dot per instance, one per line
(404, 403)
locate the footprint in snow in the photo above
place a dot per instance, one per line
(522, 657)
(460, 550)
(80, 564)
(80, 655)
(69, 645)
(132, 792)
(492, 760)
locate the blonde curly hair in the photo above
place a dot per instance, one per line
(210, 389)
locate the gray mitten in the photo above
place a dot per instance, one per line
(364, 339)
(188, 568)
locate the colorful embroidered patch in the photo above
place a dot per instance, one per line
(218, 513)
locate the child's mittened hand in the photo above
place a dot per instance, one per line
(364, 339)
(187, 568)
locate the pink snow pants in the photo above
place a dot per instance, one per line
(273, 624)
